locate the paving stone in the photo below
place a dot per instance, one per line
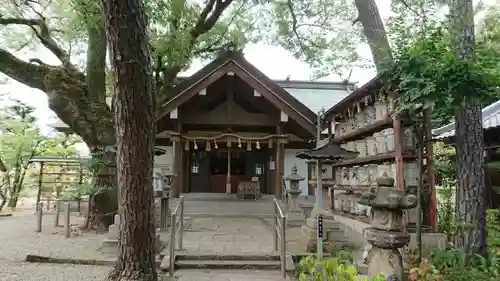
(228, 275)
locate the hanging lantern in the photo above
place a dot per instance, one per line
(257, 145)
(366, 100)
(195, 146)
(228, 141)
(186, 145)
(215, 145)
(270, 143)
(358, 107)
(249, 146)
(207, 146)
(239, 143)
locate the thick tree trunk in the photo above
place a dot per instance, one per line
(104, 203)
(471, 177)
(469, 140)
(135, 134)
(77, 98)
(373, 29)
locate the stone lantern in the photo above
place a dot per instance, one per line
(294, 214)
(388, 230)
(165, 181)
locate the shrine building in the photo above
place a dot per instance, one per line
(229, 123)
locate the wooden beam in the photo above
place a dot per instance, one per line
(177, 184)
(163, 142)
(431, 178)
(398, 154)
(230, 97)
(280, 164)
(226, 127)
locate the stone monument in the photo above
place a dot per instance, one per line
(294, 215)
(110, 245)
(388, 231)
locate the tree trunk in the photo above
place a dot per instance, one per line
(135, 134)
(104, 202)
(14, 197)
(3, 200)
(12, 202)
(469, 139)
(374, 31)
(471, 177)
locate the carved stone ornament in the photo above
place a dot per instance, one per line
(387, 232)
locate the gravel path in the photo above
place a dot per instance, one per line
(23, 271)
(18, 238)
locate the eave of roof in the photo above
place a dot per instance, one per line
(236, 59)
(356, 95)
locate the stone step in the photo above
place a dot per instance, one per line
(229, 257)
(265, 262)
(229, 264)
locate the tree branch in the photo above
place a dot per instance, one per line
(208, 18)
(294, 25)
(42, 32)
(206, 21)
(26, 73)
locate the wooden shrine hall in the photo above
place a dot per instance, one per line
(229, 124)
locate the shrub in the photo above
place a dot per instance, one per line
(312, 269)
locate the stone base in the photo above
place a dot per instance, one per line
(295, 218)
(332, 232)
(386, 261)
(110, 246)
(306, 209)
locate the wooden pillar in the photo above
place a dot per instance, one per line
(40, 183)
(187, 168)
(178, 169)
(431, 180)
(398, 144)
(280, 164)
(271, 173)
(330, 129)
(228, 175)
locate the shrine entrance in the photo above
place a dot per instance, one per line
(221, 170)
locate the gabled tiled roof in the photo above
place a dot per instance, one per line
(491, 119)
(235, 61)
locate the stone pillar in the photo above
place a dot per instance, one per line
(294, 214)
(388, 231)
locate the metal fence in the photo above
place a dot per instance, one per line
(279, 230)
(176, 231)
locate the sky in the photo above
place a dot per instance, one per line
(275, 62)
